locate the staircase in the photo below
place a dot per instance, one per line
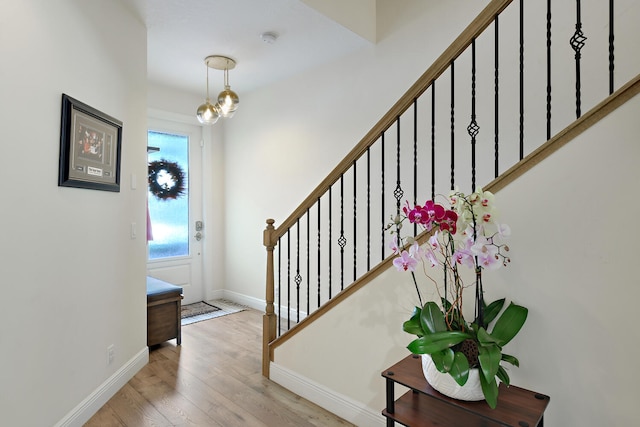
(501, 99)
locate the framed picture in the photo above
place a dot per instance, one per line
(90, 143)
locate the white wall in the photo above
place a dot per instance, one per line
(72, 277)
(287, 137)
(573, 249)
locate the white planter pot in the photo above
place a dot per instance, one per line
(445, 384)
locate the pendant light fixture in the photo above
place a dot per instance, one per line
(227, 99)
(208, 113)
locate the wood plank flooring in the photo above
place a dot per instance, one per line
(213, 379)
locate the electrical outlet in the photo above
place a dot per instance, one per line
(111, 350)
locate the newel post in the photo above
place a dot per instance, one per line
(269, 318)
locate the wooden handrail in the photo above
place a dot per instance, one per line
(464, 40)
(608, 105)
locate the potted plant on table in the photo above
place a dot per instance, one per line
(461, 235)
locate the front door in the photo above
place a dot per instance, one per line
(176, 230)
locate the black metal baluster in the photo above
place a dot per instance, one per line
(548, 70)
(496, 114)
(355, 223)
(433, 140)
(577, 42)
(453, 138)
(611, 46)
(288, 279)
(330, 241)
(521, 79)
(398, 193)
(415, 159)
(279, 307)
(298, 278)
(319, 252)
(383, 228)
(342, 241)
(368, 208)
(308, 261)
(473, 127)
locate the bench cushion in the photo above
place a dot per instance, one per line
(157, 287)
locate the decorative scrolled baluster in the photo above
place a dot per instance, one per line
(298, 278)
(473, 127)
(342, 240)
(577, 42)
(398, 192)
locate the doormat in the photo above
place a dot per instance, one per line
(199, 311)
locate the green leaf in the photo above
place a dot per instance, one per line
(504, 376)
(484, 338)
(460, 368)
(511, 359)
(433, 343)
(489, 358)
(492, 310)
(432, 318)
(490, 391)
(413, 325)
(443, 360)
(509, 323)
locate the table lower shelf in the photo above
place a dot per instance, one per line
(415, 409)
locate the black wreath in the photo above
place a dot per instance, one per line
(172, 189)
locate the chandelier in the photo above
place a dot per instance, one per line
(227, 102)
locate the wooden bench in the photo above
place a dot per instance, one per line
(164, 304)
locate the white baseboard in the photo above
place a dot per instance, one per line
(258, 304)
(255, 303)
(344, 407)
(96, 400)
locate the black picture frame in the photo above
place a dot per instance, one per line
(90, 147)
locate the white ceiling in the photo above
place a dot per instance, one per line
(181, 33)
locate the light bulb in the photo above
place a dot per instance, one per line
(228, 101)
(208, 113)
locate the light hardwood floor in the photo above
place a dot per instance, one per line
(213, 379)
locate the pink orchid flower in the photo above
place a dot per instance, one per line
(405, 262)
(434, 210)
(489, 259)
(449, 222)
(393, 244)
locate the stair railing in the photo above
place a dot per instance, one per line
(336, 239)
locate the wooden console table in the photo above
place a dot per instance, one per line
(424, 406)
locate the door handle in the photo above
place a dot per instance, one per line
(198, 236)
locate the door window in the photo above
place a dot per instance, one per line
(168, 157)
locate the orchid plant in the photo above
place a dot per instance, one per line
(463, 235)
